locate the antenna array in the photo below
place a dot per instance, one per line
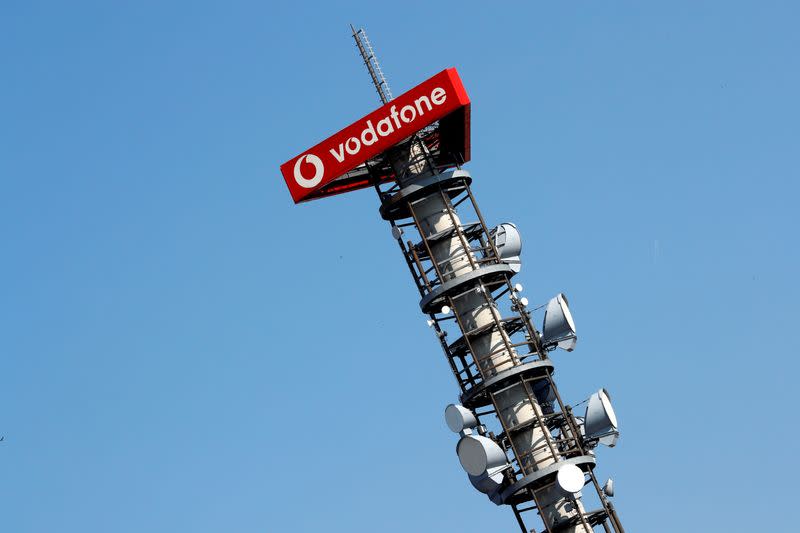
(519, 443)
(374, 68)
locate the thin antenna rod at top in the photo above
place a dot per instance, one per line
(374, 68)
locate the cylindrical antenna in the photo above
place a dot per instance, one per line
(374, 68)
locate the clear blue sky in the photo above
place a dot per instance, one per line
(182, 349)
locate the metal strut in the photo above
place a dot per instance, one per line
(374, 68)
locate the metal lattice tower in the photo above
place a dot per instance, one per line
(499, 359)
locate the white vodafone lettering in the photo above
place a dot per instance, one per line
(370, 129)
(373, 132)
(319, 171)
(339, 156)
(406, 111)
(419, 101)
(438, 96)
(385, 127)
(393, 114)
(355, 143)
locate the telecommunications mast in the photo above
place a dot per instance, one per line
(519, 443)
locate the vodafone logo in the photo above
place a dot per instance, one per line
(325, 168)
(384, 126)
(319, 171)
(392, 122)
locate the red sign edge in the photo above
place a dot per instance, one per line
(463, 111)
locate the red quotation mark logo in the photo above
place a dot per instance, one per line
(319, 171)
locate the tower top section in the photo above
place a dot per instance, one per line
(371, 62)
(437, 111)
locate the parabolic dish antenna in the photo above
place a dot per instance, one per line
(559, 327)
(600, 419)
(459, 418)
(479, 454)
(570, 479)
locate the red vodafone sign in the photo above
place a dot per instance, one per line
(309, 174)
